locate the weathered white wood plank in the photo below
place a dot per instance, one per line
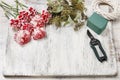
(71, 56)
(63, 52)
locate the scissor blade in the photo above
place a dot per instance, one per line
(89, 34)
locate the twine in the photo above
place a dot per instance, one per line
(108, 15)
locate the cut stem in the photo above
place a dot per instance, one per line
(10, 10)
(17, 6)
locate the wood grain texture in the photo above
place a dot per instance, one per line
(63, 52)
(3, 34)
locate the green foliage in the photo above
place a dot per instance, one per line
(62, 11)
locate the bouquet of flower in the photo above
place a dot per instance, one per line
(30, 24)
(26, 23)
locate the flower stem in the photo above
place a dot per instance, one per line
(20, 4)
(10, 10)
(7, 15)
(6, 4)
(7, 12)
(4, 11)
(17, 6)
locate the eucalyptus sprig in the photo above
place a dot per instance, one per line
(64, 11)
(12, 11)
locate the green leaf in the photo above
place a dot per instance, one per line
(78, 16)
(63, 12)
(73, 14)
(73, 2)
(67, 22)
(80, 6)
(58, 9)
(80, 1)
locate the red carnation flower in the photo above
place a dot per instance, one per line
(28, 27)
(32, 11)
(38, 33)
(30, 23)
(15, 24)
(22, 37)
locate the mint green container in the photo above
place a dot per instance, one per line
(97, 23)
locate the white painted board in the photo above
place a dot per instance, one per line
(63, 53)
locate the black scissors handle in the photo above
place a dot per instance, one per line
(100, 58)
(95, 42)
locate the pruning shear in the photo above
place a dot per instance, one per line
(95, 42)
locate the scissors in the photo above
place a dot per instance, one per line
(95, 42)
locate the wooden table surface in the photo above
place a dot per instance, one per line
(116, 38)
